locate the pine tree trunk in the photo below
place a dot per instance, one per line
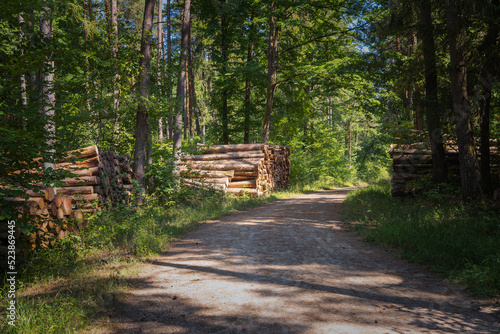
(469, 175)
(486, 76)
(248, 89)
(181, 86)
(431, 94)
(225, 93)
(141, 134)
(170, 131)
(192, 90)
(160, 72)
(272, 73)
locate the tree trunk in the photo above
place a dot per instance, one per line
(431, 102)
(47, 88)
(141, 136)
(160, 72)
(170, 131)
(248, 89)
(458, 76)
(348, 143)
(24, 94)
(486, 76)
(192, 92)
(272, 73)
(181, 86)
(484, 116)
(225, 93)
(114, 50)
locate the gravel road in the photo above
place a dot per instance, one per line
(292, 267)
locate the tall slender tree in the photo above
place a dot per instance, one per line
(272, 71)
(469, 175)
(193, 105)
(224, 54)
(181, 85)
(426, 31)
(160, 56)
(141, 133)
(47, 91)
(248, 88)
(489, 54)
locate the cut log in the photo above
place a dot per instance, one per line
(206, 173)
(230, 148)
(220, 162)
(226, 156)
(85, 152)
(75, 190)
(66, 205)
(60, 213)
(204, 185)
(80, 181)
(84, 198)
(92, 171)
(243, 184)
(235, 167)
(245, 173)
(220, 180)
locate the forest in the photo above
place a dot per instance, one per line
(337, 81)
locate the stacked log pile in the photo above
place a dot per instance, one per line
(116, 178)
(102, 178)
(96, 179)
(411, 162)
(253, 169)
(49, 207)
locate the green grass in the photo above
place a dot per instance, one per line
(67, 288)
(460, 241)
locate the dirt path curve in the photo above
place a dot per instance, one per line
(291, 267)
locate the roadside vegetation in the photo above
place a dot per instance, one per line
(436, 228)
(73, 285)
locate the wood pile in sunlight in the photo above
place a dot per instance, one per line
(97, 179)
(252, 169)
(413, 162)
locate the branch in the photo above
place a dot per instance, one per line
(321, 37)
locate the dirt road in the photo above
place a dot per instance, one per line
(291, 267)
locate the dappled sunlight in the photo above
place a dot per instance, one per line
(290, 267)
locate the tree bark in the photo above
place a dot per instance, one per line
(248, 88)
(160, 55)
(469, 175)
(116, 76)
(47, 92)
(141, 136)
(431, 103)
(192, 89)
(225, 93)
(170, 130)
(486, 76)
(272, 72)
(181, 86)
(24, 94)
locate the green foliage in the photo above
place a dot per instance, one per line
(160, 175)
(455, 239)
(318, 156)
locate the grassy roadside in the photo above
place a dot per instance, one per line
(459, 241)
(74, 284)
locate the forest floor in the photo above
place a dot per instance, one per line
(292, 266)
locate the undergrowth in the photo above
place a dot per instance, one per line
(459, 241)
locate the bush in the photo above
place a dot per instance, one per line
(435, 228)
